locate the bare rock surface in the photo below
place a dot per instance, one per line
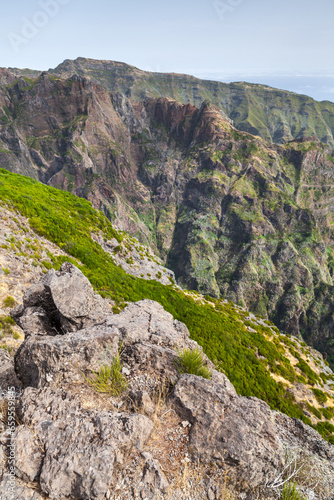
(51, 361)
(62, 302)
(8, 377)
(229, 429)
(29, 454)
(81, 447)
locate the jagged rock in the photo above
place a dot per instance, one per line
(74, 298)
(8, 378)
(21, 491)
(35, 321)
(64, 301)
(81, 447)
(48, 361)
(153, 480)
(86, 449)
(309, 447)
(141, 399)
(147, 320)
(28, 456)
(229, 429)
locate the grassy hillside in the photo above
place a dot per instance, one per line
(257, 359)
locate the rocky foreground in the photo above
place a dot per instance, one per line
(167, 436)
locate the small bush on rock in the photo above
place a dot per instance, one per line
(109, 379)
(193, 362)
(291, 492)
(9, 301)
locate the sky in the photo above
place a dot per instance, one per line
(287, 44)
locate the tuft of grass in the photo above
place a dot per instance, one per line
(291, 492)
(9, 301)
(6, 270)
(109, 379)
(5, 326)
(193, 362)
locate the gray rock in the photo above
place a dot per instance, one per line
(35, 321)
(81, 447)
(50, 361)
(229, 430)
(64, 301)
(153, 480)
(8, 378)
(304, 442)
(148, 321)
(22, 491)
(78, 306)
(28, 456)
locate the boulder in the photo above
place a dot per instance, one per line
(65, 359)
(64, 301)
(148, 321)
(229, 430)
(82, 448)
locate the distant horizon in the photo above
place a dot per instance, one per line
(286, 45)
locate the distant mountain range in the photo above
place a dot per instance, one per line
(276, 115)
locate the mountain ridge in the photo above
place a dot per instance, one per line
(250, 106)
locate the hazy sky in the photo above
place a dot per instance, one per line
(285, 43)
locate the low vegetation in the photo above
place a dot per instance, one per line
(109, 379)
(291, 492)
(192, 362)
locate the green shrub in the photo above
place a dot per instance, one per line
(6, 270)
(5, 325)
(193, 362)
(321, 396)
(291, 492)
(109, 379)
(9, 301)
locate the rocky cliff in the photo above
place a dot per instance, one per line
(231, 214)
(275, 115)
(164, 435)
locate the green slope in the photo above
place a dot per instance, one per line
(247, 351)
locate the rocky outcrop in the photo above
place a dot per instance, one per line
(73, 449)
(61, 303)
(230, 430)
(82, 448)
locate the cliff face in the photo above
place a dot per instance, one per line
(276, 115)
(228, 212)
